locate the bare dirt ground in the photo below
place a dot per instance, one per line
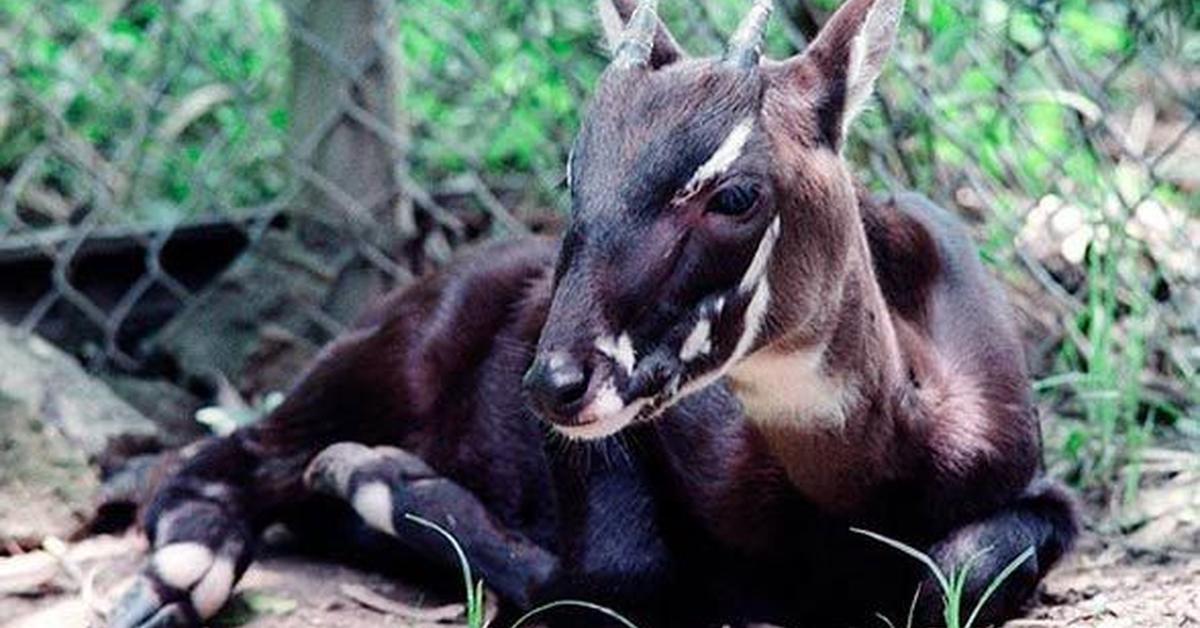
(1105, 584)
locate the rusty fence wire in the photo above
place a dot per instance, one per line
(211, 188)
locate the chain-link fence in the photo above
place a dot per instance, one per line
(202, 187)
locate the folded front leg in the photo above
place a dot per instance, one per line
(202, 535)
(383, 484)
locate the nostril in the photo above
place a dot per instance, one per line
(557, 385)
(569, 384)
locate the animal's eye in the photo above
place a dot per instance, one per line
(733, 200)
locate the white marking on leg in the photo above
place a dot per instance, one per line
(698, 342)
(620, 350)
(180, 565)
(373, 502)
(762, 256)
(721, 160)
(210, 595)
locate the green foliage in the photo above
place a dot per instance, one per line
(158, 112)
(953, 584)
(152, 111)
(1021, 102)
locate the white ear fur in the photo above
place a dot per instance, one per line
(868, 51)
(843, 62)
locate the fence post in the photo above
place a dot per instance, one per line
(343, 106)
(290, 291)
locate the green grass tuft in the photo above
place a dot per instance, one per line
(951, 584)
(476, 616)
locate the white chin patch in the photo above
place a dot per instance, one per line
(604, 416)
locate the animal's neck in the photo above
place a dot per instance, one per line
(821, 389)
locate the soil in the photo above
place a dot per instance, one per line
(1105, 584)
(1136, 567)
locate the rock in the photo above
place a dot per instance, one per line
(171, 408)
(54, 389)
(56, 424)
(276, 285)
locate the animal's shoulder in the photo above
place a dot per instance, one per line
(479, 283)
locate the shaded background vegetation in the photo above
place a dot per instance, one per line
(158, 160)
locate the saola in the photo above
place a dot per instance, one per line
(782, 356)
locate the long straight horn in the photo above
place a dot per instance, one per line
(638, 42)
(745, 47)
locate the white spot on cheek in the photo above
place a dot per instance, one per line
(210, 595)
(180, 565)
(373, 502)
(620, 350)
(727, 153)
(698, 343)
(607, 401)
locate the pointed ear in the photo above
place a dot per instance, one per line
(614, 14)
(841, 65)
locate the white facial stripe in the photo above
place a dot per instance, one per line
(727, 153)
(614, 415)
(619, 350)
(698, 342)
(756, 312)
(373, 502)
(758, 265)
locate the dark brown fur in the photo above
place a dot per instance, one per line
(909, 411)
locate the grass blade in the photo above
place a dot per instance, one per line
(911, 551)
(474, 604)
(912, 609)
(604, 610)
(995, 584)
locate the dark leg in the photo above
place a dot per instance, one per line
(1043, 518)
(205, 517)
(383, 484)
(203, 537)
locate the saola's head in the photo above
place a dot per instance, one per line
(699, 187)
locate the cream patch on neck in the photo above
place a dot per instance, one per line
(792, 387)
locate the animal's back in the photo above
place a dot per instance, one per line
(972, 394)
